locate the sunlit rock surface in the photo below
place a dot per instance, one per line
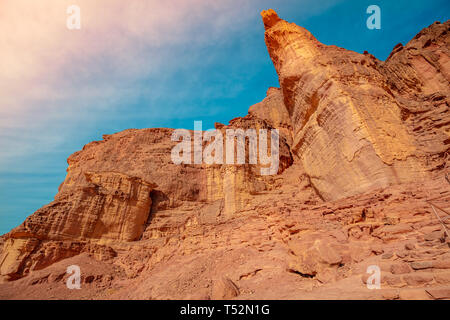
(363, 144)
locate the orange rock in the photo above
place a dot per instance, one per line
(224, 289)
(413, 294)
(442, 277)
(416, 279)
(439, 293)
(362, 144)
(400, 268)
(342, 112)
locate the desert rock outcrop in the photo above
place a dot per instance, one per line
(363, 144)
(347, 109)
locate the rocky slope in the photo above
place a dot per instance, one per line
(363, 144)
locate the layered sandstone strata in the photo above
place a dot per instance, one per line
(348, 110)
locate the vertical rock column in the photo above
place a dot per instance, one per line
(347, 127)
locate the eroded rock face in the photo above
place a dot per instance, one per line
(224, 289)
(346, 108)
(418, 76)
(362, 144)
(112, 206)
(273, 111)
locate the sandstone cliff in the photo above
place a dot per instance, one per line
(349, 110)
(363, 143)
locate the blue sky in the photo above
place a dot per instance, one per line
(151, 65)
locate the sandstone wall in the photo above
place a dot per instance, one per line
(349, 124)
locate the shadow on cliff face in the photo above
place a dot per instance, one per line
(160, 201)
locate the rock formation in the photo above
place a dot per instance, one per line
(363, 144)
(348, 110)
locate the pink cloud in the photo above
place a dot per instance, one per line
(36, 43)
